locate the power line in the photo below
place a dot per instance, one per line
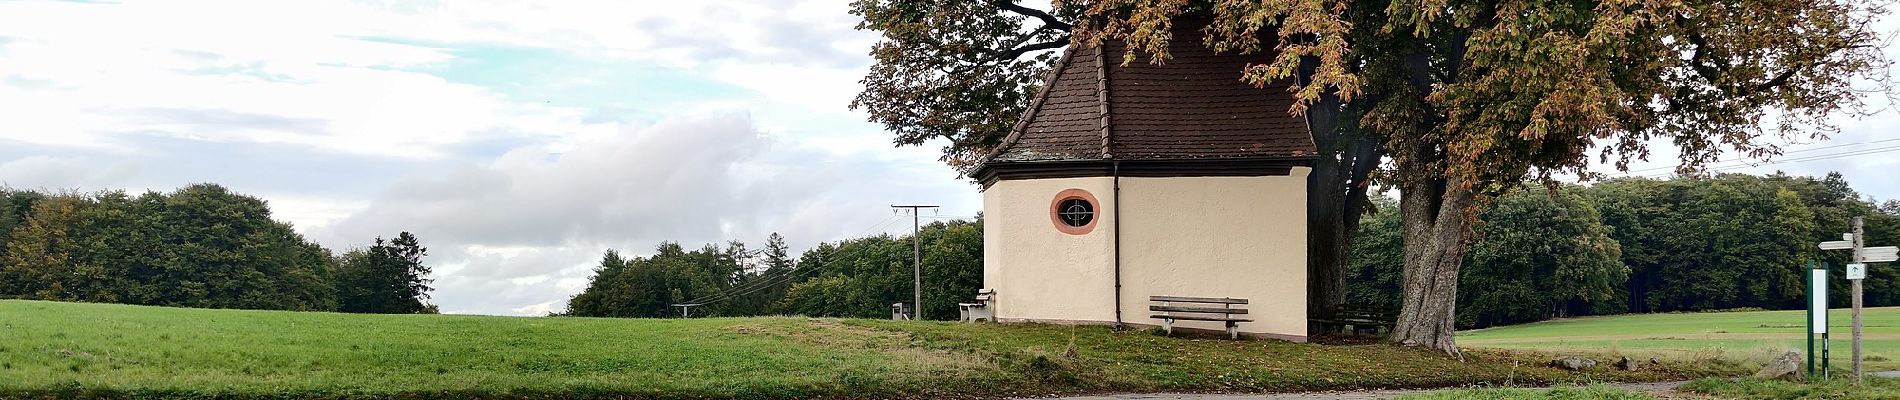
(1744, 161)
(1850, 153)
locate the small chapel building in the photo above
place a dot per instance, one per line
(1125, 182)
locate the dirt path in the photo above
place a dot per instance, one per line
(1666, 390)
(1659, 389)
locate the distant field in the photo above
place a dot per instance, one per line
(1753, 336)
(89, 350)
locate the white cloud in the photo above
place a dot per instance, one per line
(358, 119)
(57, 173)
(538, 219)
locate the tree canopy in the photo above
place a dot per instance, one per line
(198, 246)
(855, 277)
(1470, 97)
(1642, 245)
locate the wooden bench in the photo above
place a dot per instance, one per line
(1199, 309)
(1358, 318)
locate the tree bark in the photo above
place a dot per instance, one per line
(1336, 198)
(1437, 221)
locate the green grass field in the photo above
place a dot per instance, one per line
(77, 350)
(1751, 336)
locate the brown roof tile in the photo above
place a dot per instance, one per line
(1192, 107)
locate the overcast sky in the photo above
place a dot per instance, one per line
(518, 140)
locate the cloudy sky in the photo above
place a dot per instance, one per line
(517, 139)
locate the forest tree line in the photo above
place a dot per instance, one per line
(1636, 245)
(1618, 246)
(858, 277)
(198, 246)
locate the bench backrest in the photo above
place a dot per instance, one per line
(1204, 305)
(1210, 300)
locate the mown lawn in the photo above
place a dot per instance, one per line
(64, 349)
(1720, 388)
(1749, 337)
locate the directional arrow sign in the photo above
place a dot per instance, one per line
(1837, 245)
(1879, 254)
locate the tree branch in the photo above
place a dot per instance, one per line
(1699, 53)
(1011, 54)
(1048, 21)
(1800, 66)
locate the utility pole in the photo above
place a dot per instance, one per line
(685, 309)
(917, 263)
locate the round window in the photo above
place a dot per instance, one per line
(1076, 212)
(1073, 211)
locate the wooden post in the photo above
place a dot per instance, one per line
(1859, 242)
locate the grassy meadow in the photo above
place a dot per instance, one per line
(103, 350)
(1746, 336)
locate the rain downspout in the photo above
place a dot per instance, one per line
(1101, 91)
(1117, 171)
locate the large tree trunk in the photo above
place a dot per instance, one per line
(1328, 240)
(1336, 198)
(1436, 218)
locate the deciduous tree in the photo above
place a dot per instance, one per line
(1472, 97)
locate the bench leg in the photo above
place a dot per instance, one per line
(1167, 325)
(1233, 331)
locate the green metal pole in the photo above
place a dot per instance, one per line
(1810, 331)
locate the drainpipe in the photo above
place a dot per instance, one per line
(1118, 244)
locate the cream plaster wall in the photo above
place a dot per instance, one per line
(1242, 237)
(1040, 273)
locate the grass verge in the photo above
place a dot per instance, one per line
(102, 350)
(1750, 337)
(1845, 389)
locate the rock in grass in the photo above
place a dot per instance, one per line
(1573, 363)
(1625, 364)
(1787, 366)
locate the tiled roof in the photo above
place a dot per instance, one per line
(1192, 107)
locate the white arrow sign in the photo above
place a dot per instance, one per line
(1879, 254)
(1837, 245)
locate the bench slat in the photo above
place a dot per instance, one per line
(1209, 310)
(1353, 321)
(1195, 318)
(1216, 300)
